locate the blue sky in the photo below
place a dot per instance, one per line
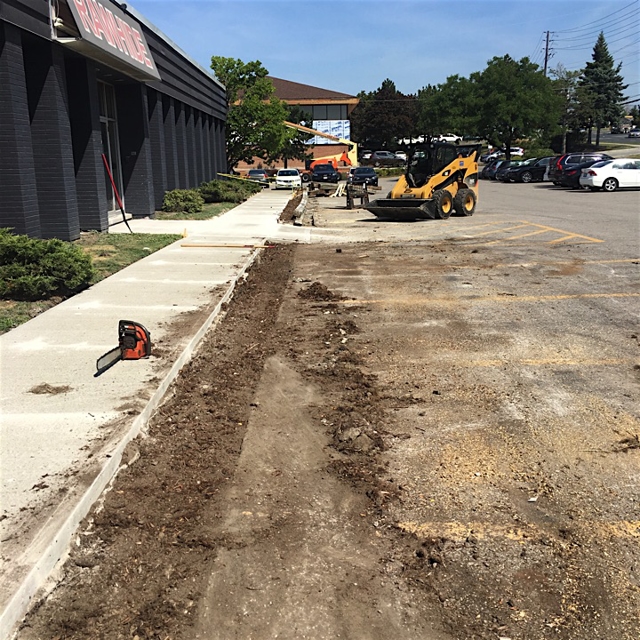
(353, 45)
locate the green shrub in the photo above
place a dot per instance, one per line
(33, 269)
(187, 200)
(537, 152)
(228, 190)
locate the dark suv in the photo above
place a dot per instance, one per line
(560, 162)
(325, 173)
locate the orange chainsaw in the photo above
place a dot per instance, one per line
(134, 342)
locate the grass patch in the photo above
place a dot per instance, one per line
(110, 252)
(13, 314)
(210, 210)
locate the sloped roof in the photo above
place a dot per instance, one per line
(298, 93)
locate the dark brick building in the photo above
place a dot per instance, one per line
(89, 87)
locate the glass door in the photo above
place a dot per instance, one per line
(110, 143)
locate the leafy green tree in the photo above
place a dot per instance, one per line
(603, 86)
(384, 116)
(448, 107)
(295, 145)
(255, 118)
(635, 114)
(565, 84)
(513, 100)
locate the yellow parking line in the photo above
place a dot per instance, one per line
(524, 235)
(564, 296)
(564, 232)
(487, 233)
(547, 362)
(414, 300)
(461, 530)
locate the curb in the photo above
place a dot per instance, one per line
(298, 214)
(55, 550)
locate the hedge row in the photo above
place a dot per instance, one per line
(193, 200)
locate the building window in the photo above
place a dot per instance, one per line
(336, 111)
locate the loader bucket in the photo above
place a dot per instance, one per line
(401, 208)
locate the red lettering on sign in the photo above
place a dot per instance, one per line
(105, 24)
(111, 26)
(122, 36)
(97, 28)
(84, 14)
(133, 47)
(143, 50)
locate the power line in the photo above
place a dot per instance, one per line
(582, 28)
(608, 34)
(587, 46)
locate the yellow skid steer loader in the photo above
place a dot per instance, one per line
(441, 179)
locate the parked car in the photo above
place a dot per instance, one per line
(489, 172)
(634, 133)
(402, 155)
(449, 137)
(325, 173)
(501, 173)
(493, 155)
(517, 152)
(258, 175)
(288, 179)
(610, 175)
(363, 175)
(489, 169)
(559, 162)
(385, 159)
(570, 175)
(531, 170)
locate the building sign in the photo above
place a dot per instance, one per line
(110, 30)
(337, 128)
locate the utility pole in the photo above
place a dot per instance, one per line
(546, 53)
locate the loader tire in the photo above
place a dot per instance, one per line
(442, 204)
(465, 202)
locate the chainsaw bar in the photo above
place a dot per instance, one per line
(108, 359)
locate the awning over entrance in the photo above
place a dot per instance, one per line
(107, 34)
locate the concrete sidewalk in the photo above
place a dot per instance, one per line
(62, 430)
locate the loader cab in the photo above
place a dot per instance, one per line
(427, 160)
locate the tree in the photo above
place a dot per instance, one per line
(384, 116)
(513, 100)
(295, 145)
(255, 118)
(566, 86)
(447, 107)
(604, 86)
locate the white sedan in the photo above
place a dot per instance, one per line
(610, 175)
(288, 179)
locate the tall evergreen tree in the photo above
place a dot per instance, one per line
(604, 86)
